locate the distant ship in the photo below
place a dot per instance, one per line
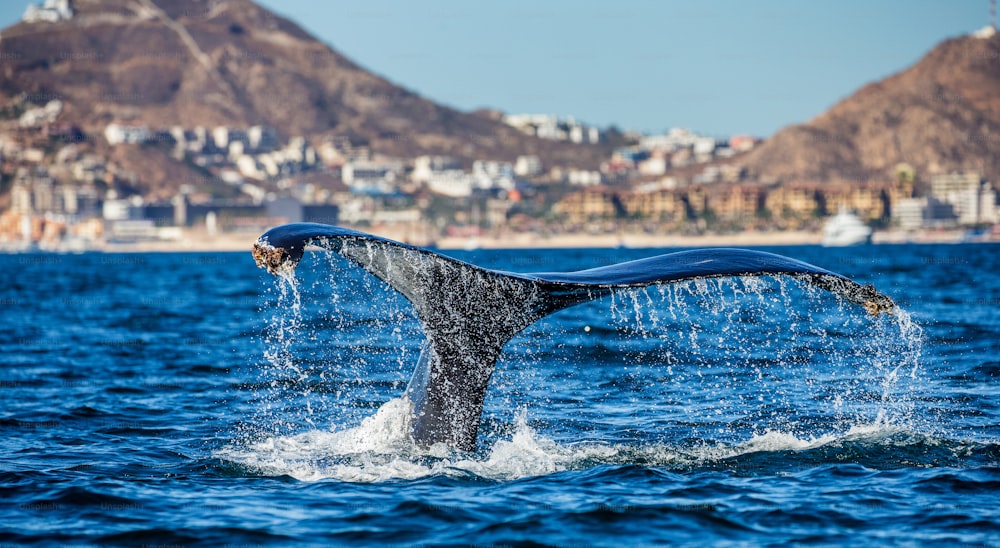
(845, 228)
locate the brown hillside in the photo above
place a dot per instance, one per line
(208, 63)
(940, 115)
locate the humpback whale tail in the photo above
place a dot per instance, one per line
(468, 313)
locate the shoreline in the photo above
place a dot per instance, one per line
(630, 240)
(199, 241)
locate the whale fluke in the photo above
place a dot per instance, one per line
(468, 313)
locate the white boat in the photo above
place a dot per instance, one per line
(844, 229)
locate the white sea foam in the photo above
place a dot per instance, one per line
(380, 449)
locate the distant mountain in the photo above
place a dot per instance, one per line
(232, 63)
(941, 114)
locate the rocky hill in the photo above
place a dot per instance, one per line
(941, 114)
(188, 63)
(164, 63)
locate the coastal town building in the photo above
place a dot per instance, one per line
(737, 203)
(793, 202)
(50, 11)
(974, 200)
(426, 167)
(660, 204)
(528, 166)
(590, 204)
(37, 116)
(117, 134)
(868, 200)
(731, 204)
(554, 128)
(923, 212)
(677, 181)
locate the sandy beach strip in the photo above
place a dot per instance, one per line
(201, 241)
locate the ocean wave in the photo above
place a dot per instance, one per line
(380, 449)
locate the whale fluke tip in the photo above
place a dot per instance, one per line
(874, 302)
(276, 260)
(865, 295)
(879, 304)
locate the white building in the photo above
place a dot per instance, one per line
(985, 33)
(485, 175)
(220, 136)
(249, 167)
(119, 134)
(924, 212)
(908, 213)
(20, 198)
(366, 172)
(584, 134)
(704, 146)
(118, 209)
(51, 11)
(43, 195)
(583, 177)
(261, 138)
(988, 211)
(491, 168)
(546, 126)
(529, 123)
(37, 116)
(673, 139)
(269, 165)
(493, 175)
(656, 164)
(452, 183)
(132, 230)
(425, 167)
(528, 166)
(973, 199)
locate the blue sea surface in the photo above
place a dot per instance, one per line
(193, 399)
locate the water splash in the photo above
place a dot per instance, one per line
(281, 367)
(330, 357)
(379, 449)
(667, 375)
(730, 358)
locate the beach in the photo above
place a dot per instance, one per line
(198, 240)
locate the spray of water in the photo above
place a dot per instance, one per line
(666, 375)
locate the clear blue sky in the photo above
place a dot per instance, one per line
(716, 66)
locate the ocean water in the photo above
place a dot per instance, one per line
(193, 399)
